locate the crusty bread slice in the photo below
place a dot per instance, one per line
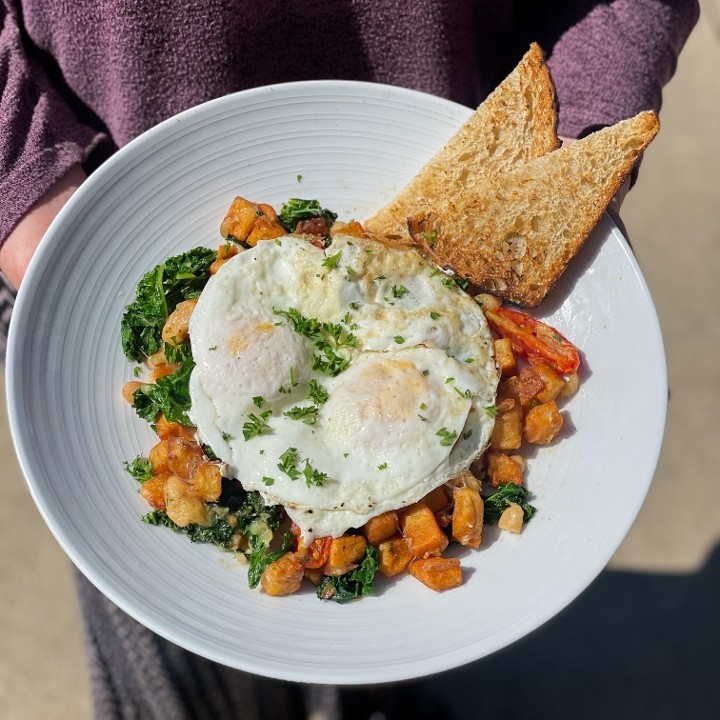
(516, 123)
(515, 233)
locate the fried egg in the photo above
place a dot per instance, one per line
(340, 383)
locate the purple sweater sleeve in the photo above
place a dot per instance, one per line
(614, 60)
(53, 139)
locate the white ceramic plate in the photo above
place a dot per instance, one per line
(351, 145)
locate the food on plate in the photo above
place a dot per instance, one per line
(516, 123)
(499, 204)
(324, 398)
(515, 235)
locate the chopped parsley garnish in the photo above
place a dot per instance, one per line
(383, 466)
(331, 261)
(354, 306)
(268, 480)
(259, 401)
(351, 272)
(447, 437)
(226, 436)
(326, 337)
(313, 476)
(255, 425)
(467, 434)
(288, 463)
(318, 394)
(398, 291)
(307, 414)
(430, 237)
(399, 339)
(434, 315)
(466, 394)
(491, 410)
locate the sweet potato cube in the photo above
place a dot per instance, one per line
(345, 553)
(167, 429)
(553, 382)
(382, 527)
(437, 499)
(208, 482)
(543, 423)
(184, 457)
(393, 556)
(129, 390)
(467, 518)
(437, 573)
(153, 490)
(352, 228)
(183, 507)
(240, 219)
(502, 469)
(158, 457)
(284, 576)
(225, 253)
(421, 530)
(265, 229)
(505, 357)
(507, 433)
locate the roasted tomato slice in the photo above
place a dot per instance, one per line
(317, 554)
(534, 339)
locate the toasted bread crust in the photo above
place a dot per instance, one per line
(517, 232)
(516, 123)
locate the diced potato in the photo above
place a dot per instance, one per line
(507, 433)
(488, 302)
(265, 229)
(153, 490)
(161, 371)
(240, 219)
(421, 530)
(184, 457)
(382, 527)
(502, 469)
(156, 359)
(467, 518)
(129, 390)
(437, 499)
(166, 429)
(393, 556)
(314, 575)
(284, 576)
(183, 507)
(505, 357)
(225, 252)
(572, 385)
(345, 553)
(208, 482)
(511, 519)
(437, 573)
(543, 423)
(158, 457)
(554, 383)
(175, 330)
(353, 228)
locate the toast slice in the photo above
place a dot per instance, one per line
(516, 123)
(516, 233)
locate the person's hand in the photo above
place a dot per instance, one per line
(21, 243)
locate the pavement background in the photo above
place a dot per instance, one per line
(642, 641)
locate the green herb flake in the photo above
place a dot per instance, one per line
(317, 393)
(399, 339)
(256, 425)
(434, 315)
(307, 414)
(314, 477)
(398, 291)
(259, 401)
(288, 462)
(268, 480)
(383, 466)
(491, 410)
(446, 436)
(140, 468)
(331, 261)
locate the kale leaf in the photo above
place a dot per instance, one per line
(295, 210)
(358, 583)
(170, 395)
(179, 278)
(140, 468)
(508, 494)
(219, 532)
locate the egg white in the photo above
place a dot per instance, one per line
(407, 413)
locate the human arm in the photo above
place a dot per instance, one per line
(42, 145)
(20, 244)
(609, 60)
